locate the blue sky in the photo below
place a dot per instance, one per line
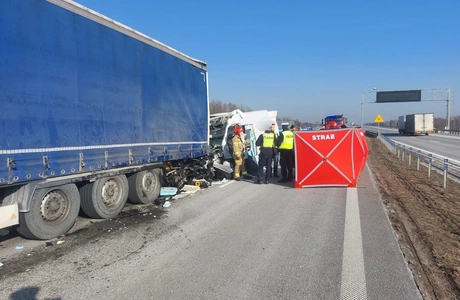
(307, 59)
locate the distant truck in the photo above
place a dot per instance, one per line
(334, 122)
(91, 113)
(420, 123)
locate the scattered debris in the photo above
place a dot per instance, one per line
(167, 204)
(190, 189)
(168, 191)
(179, 174)
(180, 196)
(54, 243)
(19, 247)
(142, 209)
(201, 183)
(222, 182)
(1, 265)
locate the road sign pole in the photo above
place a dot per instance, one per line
(378, 120)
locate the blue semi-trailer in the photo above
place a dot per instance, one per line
(92, 113)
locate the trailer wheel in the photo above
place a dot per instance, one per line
(105, 197)
(53, 211)
(144, 186)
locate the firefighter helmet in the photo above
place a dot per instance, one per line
(238, 130)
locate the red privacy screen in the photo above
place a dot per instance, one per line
(329, 157)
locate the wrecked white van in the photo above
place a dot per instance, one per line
(221, 127)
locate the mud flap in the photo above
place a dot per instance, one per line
(9, 215)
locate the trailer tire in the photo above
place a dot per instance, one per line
(53, 212)
(105, 197)
(144, 186)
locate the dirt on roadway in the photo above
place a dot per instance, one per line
(425, 217)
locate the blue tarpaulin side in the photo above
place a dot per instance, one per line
(68, 83)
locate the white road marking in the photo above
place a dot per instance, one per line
(227, 183)
(353, 284)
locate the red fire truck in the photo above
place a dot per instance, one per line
(334, 122)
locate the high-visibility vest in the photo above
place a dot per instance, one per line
(269, 140)
(288, 140)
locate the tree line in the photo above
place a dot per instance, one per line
(217, 106)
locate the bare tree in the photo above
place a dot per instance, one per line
(245, 108)
(217, 106)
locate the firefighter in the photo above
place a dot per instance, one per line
(267, 143)
(286, 148)
(238, 155)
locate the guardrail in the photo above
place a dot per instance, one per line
(446, 166)
(451, 132)
(455, 132)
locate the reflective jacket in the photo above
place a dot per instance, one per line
(237, 144)
(267, 143)
(269, 140)
(286, 140)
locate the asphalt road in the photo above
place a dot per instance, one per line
(440, 144)
(232, 241)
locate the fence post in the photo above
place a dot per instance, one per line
(418, 160)
(430, 160)
(445, 172)
(399, 151)
(403, 150)
(410, 156)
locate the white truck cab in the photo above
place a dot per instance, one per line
(222, 125)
